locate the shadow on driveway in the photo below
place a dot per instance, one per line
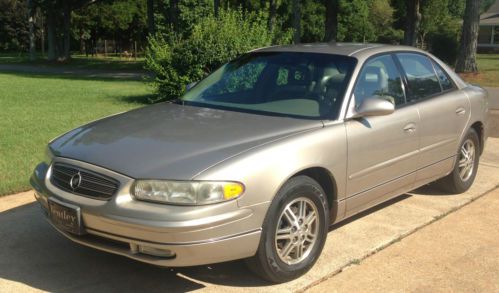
(33, 253)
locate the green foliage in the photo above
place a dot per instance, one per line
(353, 22)
(382, 19)
(435, 15)
(312, 22)
(177, 61)
(13, 25)
(456, 8)
(121, 20)
(440, 27)
(189, 12)
(445, 45)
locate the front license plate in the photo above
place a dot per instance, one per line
(65, 216)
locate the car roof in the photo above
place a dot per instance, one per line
(346, 49)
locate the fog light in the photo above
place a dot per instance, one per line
(155, 251)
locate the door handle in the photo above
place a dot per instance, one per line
(410, 128)
(460, 111)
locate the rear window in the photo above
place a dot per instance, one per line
(423, 81)
(444, 79)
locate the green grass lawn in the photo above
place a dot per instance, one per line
(488, 65)
(36, 108)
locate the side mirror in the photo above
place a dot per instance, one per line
(190, 85)
(374, 106)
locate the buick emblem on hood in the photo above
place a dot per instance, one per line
(75, 181)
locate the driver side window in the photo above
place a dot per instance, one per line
(380, 77)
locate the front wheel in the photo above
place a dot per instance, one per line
(462, 176)
(294, 231)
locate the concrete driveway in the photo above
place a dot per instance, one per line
(33, 257)
(493, 97)
(456, 254)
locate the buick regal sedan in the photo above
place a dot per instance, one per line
(258, 159)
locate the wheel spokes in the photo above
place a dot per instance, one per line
(296, 232)
(467, 160)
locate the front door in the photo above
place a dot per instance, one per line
(382, 150)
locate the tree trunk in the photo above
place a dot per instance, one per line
(272, 11)
(331, 23)
(296, 21)
(52, 42)
(67, 31)
(244, 6)
(413, 19)
(42, 34)
(173, 14)
(216, 6)
(466, 59)
(31, 20)
(150, 16)
(82, 42)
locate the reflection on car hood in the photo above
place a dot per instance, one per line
(170, 141)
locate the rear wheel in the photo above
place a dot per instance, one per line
(462, 176)
(294, 231)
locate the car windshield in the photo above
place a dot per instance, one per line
(303, 85)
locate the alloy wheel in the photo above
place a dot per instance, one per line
(466, 160)
(297, 230)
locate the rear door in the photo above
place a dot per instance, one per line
(382, 150)
(444, 110)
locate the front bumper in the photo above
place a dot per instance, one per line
(163, 235)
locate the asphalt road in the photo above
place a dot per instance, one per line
(33, 257)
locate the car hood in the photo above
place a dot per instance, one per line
(171, 141)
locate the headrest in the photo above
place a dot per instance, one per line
(372, 74)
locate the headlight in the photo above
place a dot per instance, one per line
(186, 192)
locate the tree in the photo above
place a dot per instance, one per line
(312, 21)
(413, 19)
(381, 17)
(435, 17)
(56, 11)
(272, 11)
(466, 60)
(216, 7)
(331, 23)
(31, 20)
(14, 28)
(173, 13)
(124, 21)
(296, 21)
(353, 22)
(150, 17)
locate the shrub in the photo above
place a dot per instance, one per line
(177, 61)
(445, 45)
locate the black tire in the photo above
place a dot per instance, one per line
(454, 183)
(267, 263)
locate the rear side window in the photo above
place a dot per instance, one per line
(444, 79)
(423, 81)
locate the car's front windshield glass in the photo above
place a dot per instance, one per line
(303, 85)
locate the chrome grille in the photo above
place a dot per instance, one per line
(90, 184)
